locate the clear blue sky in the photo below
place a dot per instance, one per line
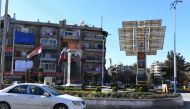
(113, 12)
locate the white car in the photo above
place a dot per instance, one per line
(37, 96)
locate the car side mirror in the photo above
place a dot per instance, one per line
(47, 94)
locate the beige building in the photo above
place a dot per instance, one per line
(158, 68)
(53, 38)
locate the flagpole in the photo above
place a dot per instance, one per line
(13, 49)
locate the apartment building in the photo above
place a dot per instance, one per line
(53, 37)
(158, 69)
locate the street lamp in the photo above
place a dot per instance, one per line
(103, 44)
(4, 44)
(173, 5)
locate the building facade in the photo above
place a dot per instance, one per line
(158, 69)
(25, 36)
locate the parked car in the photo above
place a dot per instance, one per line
(37, 96)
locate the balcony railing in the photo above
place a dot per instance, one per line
(92, 39)
(24, 46)
(49, 46)
(92, 72)
(48, 70)
(47, 59)
(71, 37)
(49, 36)
(93, 61)
(19, 58)
(93, 49)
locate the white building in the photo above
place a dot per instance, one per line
(158, 68)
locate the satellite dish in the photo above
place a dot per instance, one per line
(82, 23)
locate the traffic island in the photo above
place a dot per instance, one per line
(134, 100)
(117, 103)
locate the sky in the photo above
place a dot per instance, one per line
(113, 13)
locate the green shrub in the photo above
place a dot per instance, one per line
(98, 89)
(114, 89)
(142, 89)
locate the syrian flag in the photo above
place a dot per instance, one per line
(36, 51)
(63, 55)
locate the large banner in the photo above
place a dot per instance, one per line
(141, 59)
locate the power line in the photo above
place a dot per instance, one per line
(45, 11)
(45, 7)
(30, 3)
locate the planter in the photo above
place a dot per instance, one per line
(114, 103)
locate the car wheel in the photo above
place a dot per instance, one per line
(61, 106)
(4, 105)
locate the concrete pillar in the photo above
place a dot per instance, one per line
(70, 72)
(69, 69)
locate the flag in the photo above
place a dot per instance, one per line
(63, 55)
(36, 51)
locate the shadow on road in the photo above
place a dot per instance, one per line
(186, 105)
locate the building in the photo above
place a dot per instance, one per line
(53, 38)
(158, 68)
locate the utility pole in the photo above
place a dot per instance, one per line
(103, 53)
(13, 51)
(4, 43)
(0, 7)
(173, 5)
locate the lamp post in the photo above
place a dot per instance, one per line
(103, 41)
(4, 44)
(173, 5)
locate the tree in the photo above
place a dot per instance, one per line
(113, 70)
(150, 79)
(133, 73)
(181, 65)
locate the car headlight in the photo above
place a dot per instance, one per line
(77, 103)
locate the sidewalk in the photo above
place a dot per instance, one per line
(186, 96)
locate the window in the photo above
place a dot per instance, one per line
(48, 31)
(49, 66)
(49, 55)
(22, 89)
(48, 41)
(35, 90)
(65, 45)
(52, 90)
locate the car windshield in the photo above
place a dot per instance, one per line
(52, 90)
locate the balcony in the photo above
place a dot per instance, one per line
(47, 59)
(92, 39)
(93, 49)
(49, 70)
(92, 72)
(75, 34)
(51, 47)
(71, 37)
(93, 61)
(48, 35)
(20, 58)
(24, 46)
